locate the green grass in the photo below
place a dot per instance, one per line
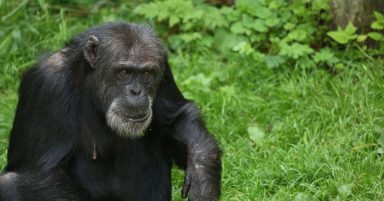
(323, 133)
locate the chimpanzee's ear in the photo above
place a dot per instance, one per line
(90, 50)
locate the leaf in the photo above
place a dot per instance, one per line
(320, 5)
(258, 25)
(340, 66)
(377, 25)
(289, 26)
(378, 16)
(206, 41)
(144, 9)
(256, 134)
(200, 80)
(195, 15)
(350, 29)
(258, 56)
(230, 14)
(247, 20)
(263, 12)
(213, 18)
(295, 50)
(271, 22)
(361, 38)
(189, 37)
(243, 48)
(339, 37)
(285, 16)
(297, 35)
(173, 20)
(238, 28)
(228, 91)
(250, 6)
(274, 5)
(274, 61)
(305, 62)
(376, 36)
(343, 36)
(255, 8)
(325, 55)
(225, 41)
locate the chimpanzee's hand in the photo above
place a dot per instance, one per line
(202, 177)
(198, 188)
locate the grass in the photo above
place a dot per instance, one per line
(322, 134)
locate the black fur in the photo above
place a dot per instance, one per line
(61, 147)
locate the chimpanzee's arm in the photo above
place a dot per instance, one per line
(37, 185)
(44, 128)
(194, 149)
(202, 179)
(42, 138)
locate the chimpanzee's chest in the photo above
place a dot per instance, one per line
(133, 171)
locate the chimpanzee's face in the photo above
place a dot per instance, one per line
(133, 90)
(128, 72)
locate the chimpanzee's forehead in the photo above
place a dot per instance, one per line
(134, 45)
(137, 52)
(133, 35)
(138, 65)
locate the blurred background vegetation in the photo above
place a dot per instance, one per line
(292, 89)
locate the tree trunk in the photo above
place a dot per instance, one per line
(359, 12)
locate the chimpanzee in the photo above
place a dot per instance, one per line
(103, 120)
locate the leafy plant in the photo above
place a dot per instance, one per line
(273, 32)
(344, 36)
(349, 35)
(377, 25)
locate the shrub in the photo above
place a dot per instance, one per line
(273, 32)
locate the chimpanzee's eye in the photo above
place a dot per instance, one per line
(147, 75)
(123, 71)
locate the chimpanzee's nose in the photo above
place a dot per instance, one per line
(135, 92)
(134, 89)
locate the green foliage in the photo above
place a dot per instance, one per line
(378, 26)
(325, 56)
(344, 36)
(260, 29)
(349, 34)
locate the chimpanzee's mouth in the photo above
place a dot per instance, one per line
(137, 118)
(129, 121)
